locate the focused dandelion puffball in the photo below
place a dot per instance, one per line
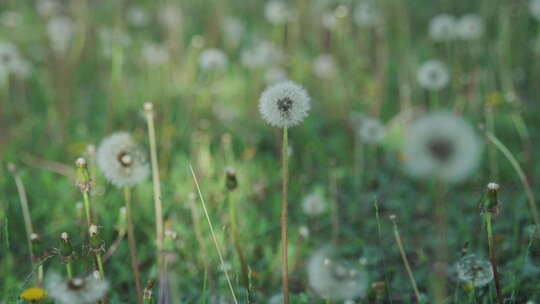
(324, 66)
(285, 104)
(367, 14)
(212, 59)
(332, 278)
(85, 290)
(122, 161)
(470, 27)
(441, 145)
(433, 75)
(277, 12)
(471, 269)
(314, 203)
(442, 27)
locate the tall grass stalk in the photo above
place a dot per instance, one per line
(213, 234)
(284, 215)
(404, 258)
(524, 181)
(491, 209)
(149, 111)
(132, 245)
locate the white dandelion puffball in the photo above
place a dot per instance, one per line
(155, 54)
(442, 28)
(47, 7)
(137, 16)
(109, 38)
(441, 145)
(471, 269)
(60, 32)
(433, 75)
(285, 104)
(262, 54)
(233, 30)
(314, 203)
(275, 75)
(121, 160)
(470, 27)
(11, 62)
(534, 9)
(367, 14)
(75, 291)
(277, 12)
(170, 16)
(276, 299)
(334, 279)
(371, 130)
(212, 59)
(324, 66)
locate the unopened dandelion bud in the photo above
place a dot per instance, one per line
(148, 107)
(96, 244)
(37, 247)
(84, 181)
(492, 202)
(392, 217)
(96, 275)
(66, 249)
(231, 181)
(11, 167)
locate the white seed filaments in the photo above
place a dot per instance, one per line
(121, 160)
(77, 290)
(441, 145)
(333, 278)
(285, 104)
(471, 269)
(433, 75)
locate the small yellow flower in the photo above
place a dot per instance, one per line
(34, 294)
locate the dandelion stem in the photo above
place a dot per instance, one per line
(87, 211)
(26, 212)
(493, 256)
(69, 271)
(132, 245)
(524, 181)
(213, 235)
(155, 179)
(284, 203)
(405, 261)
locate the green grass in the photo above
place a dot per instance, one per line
(74, 100)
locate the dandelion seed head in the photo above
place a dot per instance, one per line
(277, 12)
(60, 32)
(76, 291)
(324, 66)
(275, 75)
(441, 145)
(314, 203)
(137, 16)
(155, 54)
(170, 16)
(433, 75)
(442, 27)
(474, 270)
(534, 9)
(367, 14)
(370, 130)
(285, 104)
(47, 7)
(470, 27)
(122, 161)
(262, 54)
(334, 279)
(212, 59)
(493, 186)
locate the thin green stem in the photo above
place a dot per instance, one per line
(87, 210)
(26, 215)
(406, 262)
(69, 271)
(132, 245)
(524, 181)
(284, 215)
(213, 235)
(493, 257)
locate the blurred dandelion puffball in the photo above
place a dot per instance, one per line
(334, 279)
(275, 75)
(367, 14)
(212, 59)
(433, 75)
(324, 66)
(471, 269)
(441, 145)
(285, 104)
(155, 54)
(277, 12)
(121, 160)
(470, 27)
(75, 291)
(534, 9)
(314, 203)
(60, 32)
(370, 130)
(442, 27)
